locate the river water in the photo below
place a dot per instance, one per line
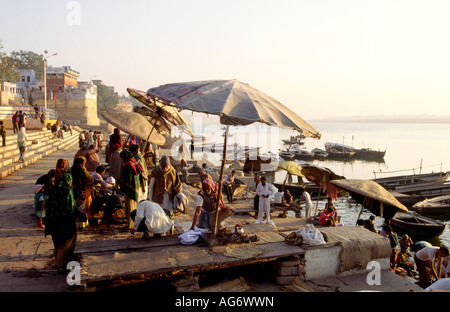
(410, 148)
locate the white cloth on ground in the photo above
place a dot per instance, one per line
(191, 237)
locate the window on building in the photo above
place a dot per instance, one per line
(23, 78)
(28, 78)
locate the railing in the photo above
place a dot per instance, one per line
(8, 111)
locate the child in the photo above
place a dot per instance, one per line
(39, 204)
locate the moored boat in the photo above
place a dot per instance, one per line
(390, 183)
(360, 153)
(416, 225)
(319, 153)
(437, 206)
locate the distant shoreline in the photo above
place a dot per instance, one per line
(389, 119)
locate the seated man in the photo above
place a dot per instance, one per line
(402, 261)
(99, 183)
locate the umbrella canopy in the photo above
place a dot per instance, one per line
(236, 103)
(160, 124)
(321, 177)
(372, 196)
(169, 113)
(291, 167)
(135, 124)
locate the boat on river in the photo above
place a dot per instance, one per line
(359, 153)
(297, 139)
(437, 206)
(416, 225)
(391, 183)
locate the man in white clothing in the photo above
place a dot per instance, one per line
(308, 203)
(150, 217)
(264, 191)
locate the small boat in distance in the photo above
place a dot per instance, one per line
(361, 153)
(295, 139)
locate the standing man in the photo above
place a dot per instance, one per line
(3, 132)
(264, 191)
(15, 122)
(165, 184)
(24, 120)
(228, 183)
(42, 118)
(306, 197)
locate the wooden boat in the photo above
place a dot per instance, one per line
(302, 154)
(391, 183)
(335, 154)
(365, 153)
(437, 206)
(360, 153)
(416, 225)
(294, 189)
(287, 155)
(295, 140)
(319, 153)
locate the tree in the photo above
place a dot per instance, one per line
(29, 60)
(106, 98)
(7, 68)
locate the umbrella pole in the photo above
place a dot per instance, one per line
(362, 207)
(154, 125)
(224, 158)
(318, 197)
(248, 184)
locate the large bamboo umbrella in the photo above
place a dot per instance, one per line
(371, 196)
(135, 124)
(162, 110)
(236, 103)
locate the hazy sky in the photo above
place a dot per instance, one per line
(318, 57)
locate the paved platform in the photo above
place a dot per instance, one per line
(26, 256)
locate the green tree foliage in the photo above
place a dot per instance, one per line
(106, 98)
(29, 60)
(7, 67)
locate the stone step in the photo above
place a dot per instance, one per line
(14, 149)
(11, 140)
(38, 153)
(11, 151)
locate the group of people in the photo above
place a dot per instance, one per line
(90, 138)
(19, 120)
(430, 263)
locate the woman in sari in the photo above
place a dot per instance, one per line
(114, 139)
(62, 166)
(82, 186)
(60, 220)
(129, 183)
